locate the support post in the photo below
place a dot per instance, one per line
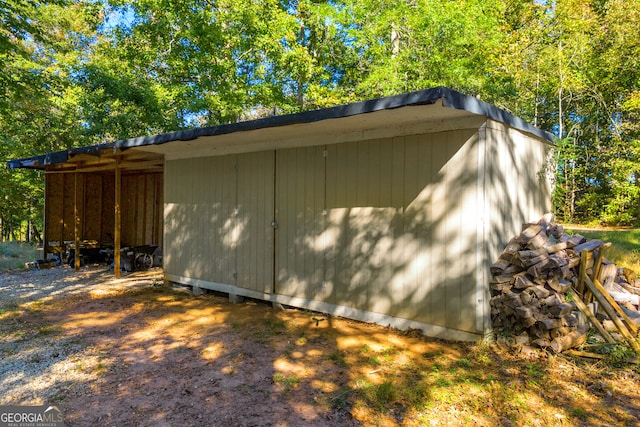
(45, 229)
(76, 222)
(117, 223)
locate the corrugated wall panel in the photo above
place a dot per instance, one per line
(463, 211)
(423, 207)
(343, 203)
(359, 198)
(388, 226)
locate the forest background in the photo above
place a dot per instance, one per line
(81, 72)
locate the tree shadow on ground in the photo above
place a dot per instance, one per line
(152, 355)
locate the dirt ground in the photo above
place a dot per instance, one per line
(132, 352)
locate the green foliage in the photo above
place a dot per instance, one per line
(414, 45)
(78, 72)
(624, 250)
(287, 382)
(13, 255)
(618, 355)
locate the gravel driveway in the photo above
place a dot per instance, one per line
(31, 374)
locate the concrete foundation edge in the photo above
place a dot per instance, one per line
(427, 329)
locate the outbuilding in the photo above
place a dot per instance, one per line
(387, 211)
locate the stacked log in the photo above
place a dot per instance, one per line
(530, 281)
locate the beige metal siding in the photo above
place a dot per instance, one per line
(199, 214)
(517, 189)
(405, 211)
(299, 212)
(398, 235)
(365, 224)
(218, 215)
(388, 226)
(254, 218)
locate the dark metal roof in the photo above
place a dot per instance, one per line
(56, 157)
(450, 99)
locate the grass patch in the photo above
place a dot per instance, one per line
(400, 392)
(49, 330)
(338, 357)
(625, 245)
(287, 382)
(464, 363)
(13, 255)
(275, 325)
(618, 355)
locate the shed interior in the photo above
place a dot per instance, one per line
(107, 198)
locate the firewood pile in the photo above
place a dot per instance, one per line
(545, 278)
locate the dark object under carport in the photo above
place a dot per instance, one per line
(137, 257)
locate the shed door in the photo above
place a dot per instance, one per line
(253, 221)
(300, 194)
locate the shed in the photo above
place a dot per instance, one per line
(387, 211)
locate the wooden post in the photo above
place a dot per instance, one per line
(61, 223)
(585, 256)
(76, 222)
(597, 267)
(45, 229)
(613, 315)
(631, 326)
(117, 224)
(583, 272)
(594, 321)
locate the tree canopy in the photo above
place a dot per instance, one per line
(79, 72)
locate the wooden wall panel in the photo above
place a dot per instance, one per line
(54, 208)
(108, 208)
(129, 210)
(67, 208)
(93, 207)
(141, 204)
(140, 209)
(158, 232)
